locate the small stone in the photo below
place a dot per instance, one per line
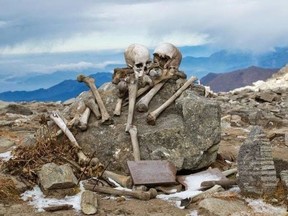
(5, 144)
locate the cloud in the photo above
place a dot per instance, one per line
(69, 26)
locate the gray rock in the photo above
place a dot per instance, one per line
(284, 180)
(266, 96)
(5, 144)
(256, 170)
(187, 134)
(221, 207)
(52, 176)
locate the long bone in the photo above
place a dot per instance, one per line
(133, 86)
(122, 87)
(81, 156)
(152, 116)
(117, 111)
(61, 124)
(83, 121)
(135, 144)
(79, 111)
(91, 83)
(143, 103)
(147, 195)
(90, 102)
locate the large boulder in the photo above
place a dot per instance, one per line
(187, 133)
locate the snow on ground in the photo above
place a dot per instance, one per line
(6, 155)
(259, 206)
(37, 199)
(193, 183)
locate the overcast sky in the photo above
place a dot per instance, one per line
(35, 26)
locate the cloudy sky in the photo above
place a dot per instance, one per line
(55, 26)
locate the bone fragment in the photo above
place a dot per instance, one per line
(57, 119)
(117, 111)
(147, 195)
(124, 181)
(134, 140)
(91, 83)
(89, 203)
(225, 183)
(83, 159)
(206, 194)
(54, 208)
(229, 172)
(83, 121)
(90, 102)
(79, 111)
(152, 116)
(143, 103)
(133, 86)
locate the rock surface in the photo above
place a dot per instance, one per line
(5, 144)
(221, 207)
(52, 176)
(256, 170)
(187, 133)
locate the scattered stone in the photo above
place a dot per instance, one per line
(52, 176)
(256, 170)
(89, 202)
(5, 144)
(266, 97)
(28, 141)
(222, 207)
(17, 109)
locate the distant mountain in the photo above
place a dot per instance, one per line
(224, 82)
(226, 61)
(60, 92)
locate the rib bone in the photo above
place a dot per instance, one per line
(135, 145)
(133, 86)
(143, 103)
(91, 83)
(59, 121)
(152, 116)
(90, 102)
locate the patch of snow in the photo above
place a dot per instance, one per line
(259, 206)
(36, 198)
(193, 213)
(6, 156)
(193, 183)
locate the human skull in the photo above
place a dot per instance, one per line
(137, 57)
(167, 56)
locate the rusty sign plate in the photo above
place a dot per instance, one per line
(152, 172)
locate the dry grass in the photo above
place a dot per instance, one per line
(48, 148)
(8, 192)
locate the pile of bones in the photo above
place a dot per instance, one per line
(139, 77)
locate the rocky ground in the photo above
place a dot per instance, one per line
(240, 111)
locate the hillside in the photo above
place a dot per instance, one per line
(60, 92)
(224, 82)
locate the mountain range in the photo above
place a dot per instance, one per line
(64, 90)
(224, 82)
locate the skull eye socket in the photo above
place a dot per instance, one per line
(139, 65)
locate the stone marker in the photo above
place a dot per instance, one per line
(256, 170)
(52, 176)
